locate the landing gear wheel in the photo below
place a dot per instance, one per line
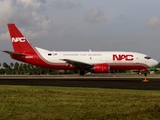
(81, 72)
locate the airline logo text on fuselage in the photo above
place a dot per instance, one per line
(120, 57)
(18, 39)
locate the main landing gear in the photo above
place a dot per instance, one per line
(81, 72)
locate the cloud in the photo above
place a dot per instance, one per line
(62, 33)
(30, 35)
(41, 20)
(121, 17)
(7, 12)
(21, 13)
(30, 3)
(36, 13)
(4, 36)
(64, 4)
(154, 23)
(94, 16)
(27, 33)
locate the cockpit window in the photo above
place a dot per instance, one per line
(147, 57)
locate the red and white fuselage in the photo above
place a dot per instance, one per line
(99, 61)
(115, 60)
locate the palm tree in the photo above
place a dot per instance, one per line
(24, 68)
(4, 64)
(5, 67)
(47, 71)
(11, 67)
(16, 67)
(37, 70)
(21, 68)
(29, 69)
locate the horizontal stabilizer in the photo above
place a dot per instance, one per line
(13, 53)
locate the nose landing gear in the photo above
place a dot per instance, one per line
(145, 78)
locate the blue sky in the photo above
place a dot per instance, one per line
(72, 25)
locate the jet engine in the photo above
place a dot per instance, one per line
(101, 68)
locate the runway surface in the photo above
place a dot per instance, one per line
(85, 81)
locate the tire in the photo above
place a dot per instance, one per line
(81, 72)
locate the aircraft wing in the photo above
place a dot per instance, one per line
(13, 53)
(78, 64)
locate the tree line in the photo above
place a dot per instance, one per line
(24, 69)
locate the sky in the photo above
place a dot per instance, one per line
(80, 25)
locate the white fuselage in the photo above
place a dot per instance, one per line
(113, 58)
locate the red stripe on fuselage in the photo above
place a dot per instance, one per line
(38, 62)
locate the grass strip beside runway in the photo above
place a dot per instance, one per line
(31, 102)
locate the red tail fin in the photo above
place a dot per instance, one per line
(19, 42)
(23, 50)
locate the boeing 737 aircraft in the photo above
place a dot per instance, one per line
(97, 62)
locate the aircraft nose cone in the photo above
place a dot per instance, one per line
(152, 63)
(155, 62)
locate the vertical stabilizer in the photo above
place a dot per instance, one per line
(19, 42)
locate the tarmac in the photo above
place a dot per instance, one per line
(89, 81)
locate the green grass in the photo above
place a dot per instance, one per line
(61, 103)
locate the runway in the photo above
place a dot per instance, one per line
(85, 81)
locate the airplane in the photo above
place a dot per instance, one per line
(95, 61)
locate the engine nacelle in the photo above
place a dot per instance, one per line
(101, 68)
